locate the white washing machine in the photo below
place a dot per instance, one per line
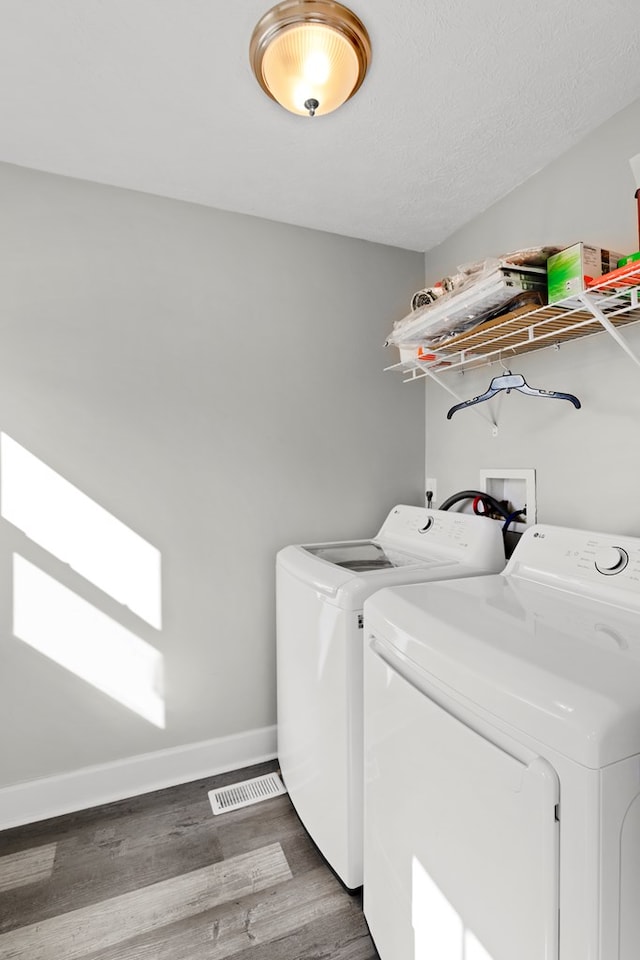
(320, 592)
(502, 758)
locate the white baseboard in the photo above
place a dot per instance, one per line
(36, 800)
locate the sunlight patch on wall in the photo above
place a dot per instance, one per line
(69, 630)
(75, 529)
(438, 929)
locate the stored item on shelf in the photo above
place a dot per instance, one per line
(617, 280)
(526, 278)
(612, 302)
(413, 355)
(569, 272)
(424, 297)
(489, 286)
(429, 295)
(519, 306)
(629, 259)
(529, 257)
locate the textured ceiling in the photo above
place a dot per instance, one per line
(463, 101)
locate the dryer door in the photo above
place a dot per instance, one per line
(461, 836)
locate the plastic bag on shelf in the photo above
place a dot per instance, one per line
(529, 257)
(444, 290)
(476, 291)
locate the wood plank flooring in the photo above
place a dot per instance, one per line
(158, 877)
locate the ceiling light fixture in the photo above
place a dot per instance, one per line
(310, 55)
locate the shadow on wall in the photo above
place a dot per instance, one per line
(52, 618)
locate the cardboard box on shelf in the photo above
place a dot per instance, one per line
(569, 271)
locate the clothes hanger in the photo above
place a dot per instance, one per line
(513, 381)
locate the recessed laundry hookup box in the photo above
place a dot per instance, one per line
(569, 271)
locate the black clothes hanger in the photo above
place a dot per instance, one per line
(513, 381)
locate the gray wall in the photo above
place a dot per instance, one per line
(215, 382)
(587, 461)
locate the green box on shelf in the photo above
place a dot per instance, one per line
(631, 258)
(569, 271)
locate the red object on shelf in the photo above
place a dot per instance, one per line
(424, 355)
(626, 276)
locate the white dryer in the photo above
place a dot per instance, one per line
(320, 593)
(502, 758)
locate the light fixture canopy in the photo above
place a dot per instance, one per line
(310, 55)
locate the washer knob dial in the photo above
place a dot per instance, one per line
(427, 526)
(610, 560)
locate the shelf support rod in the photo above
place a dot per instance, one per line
(460, 399)
(609, 327)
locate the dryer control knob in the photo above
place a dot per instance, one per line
(610, 560)
(427, 526)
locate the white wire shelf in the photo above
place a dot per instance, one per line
(611, 303)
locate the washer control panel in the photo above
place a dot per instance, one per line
(460, 536)
(427, 526)
(611, 560)
(594, 563)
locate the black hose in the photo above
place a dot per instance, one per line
(486, 498)
(512, 516)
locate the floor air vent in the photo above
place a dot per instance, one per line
(245, 793)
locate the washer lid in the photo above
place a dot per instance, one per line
(361, 556)
(348, 586)
(562, 668)
(413, 545)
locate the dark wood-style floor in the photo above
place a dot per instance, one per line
(159, 877)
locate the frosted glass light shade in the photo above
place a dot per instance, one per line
(310, 62)
(310, 51)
